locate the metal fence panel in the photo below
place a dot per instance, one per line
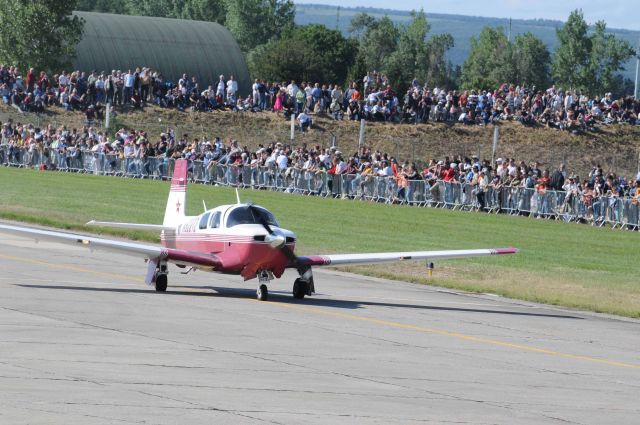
(613, 211)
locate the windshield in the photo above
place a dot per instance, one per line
(250, 215)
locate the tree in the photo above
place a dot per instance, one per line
(570, 61)
(39, 33)
(606, 58)
(199, 10)
(402, 52)
(359, 24)
(403, 64)
(589, 62)
(255, 22)
(438, 71)
(378, 43)
(311, 53)
(105, 6)
(204, 10)
(532, 61)
(160, 8)
(489, 60)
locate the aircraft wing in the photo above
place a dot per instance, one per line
(133, 226)
(152, 252)
(381, 257)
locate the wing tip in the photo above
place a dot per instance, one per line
(510, 250)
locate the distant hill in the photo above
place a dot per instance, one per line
(462, 28)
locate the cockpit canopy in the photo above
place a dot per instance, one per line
(246, 214)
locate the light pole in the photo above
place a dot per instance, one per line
(635, 89)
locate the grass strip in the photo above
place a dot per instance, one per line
(571, 265)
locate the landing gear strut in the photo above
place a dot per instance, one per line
(304, 284)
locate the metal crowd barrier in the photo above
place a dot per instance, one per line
(611, 211)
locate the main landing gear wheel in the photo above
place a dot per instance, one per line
(300, 288)
(161, 283)
(262, 293)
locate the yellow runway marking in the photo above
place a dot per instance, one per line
(457, 335)
(386, 323)
(70, 267)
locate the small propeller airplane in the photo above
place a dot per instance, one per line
(240, 239)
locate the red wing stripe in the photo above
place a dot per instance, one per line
(500, 251)
(177, 255)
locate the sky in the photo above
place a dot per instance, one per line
(616, 13)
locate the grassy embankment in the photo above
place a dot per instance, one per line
(614, 147)
(565, 264)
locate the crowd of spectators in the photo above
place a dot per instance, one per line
(373, 98)
(361, 165)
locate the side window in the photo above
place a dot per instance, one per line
(215, 220)
(204, 220)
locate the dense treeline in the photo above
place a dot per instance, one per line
(276, 49)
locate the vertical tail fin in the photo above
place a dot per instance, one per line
(174, 213)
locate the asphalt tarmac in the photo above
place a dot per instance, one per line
(84, 341)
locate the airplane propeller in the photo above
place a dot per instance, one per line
(277, 241)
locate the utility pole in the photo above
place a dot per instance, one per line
(509, 34)
(635, 90)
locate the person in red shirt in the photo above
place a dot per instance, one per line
(355, 94)
(449, 174)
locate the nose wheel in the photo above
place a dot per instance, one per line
(264, 277)
(262, 293)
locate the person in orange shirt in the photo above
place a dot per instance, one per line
(355, 94)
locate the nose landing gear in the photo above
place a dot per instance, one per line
(264, 277)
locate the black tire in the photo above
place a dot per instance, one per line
(299, 289)
(262, 294)
(161, 283)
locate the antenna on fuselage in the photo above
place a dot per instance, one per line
(238, 196)
(204, 205)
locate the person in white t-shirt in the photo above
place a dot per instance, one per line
(129, 80)
(256, 92)
(292, 89)
(232, 90)
(63, 79)
(282, 160)
(220, 87)
(305, 121)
